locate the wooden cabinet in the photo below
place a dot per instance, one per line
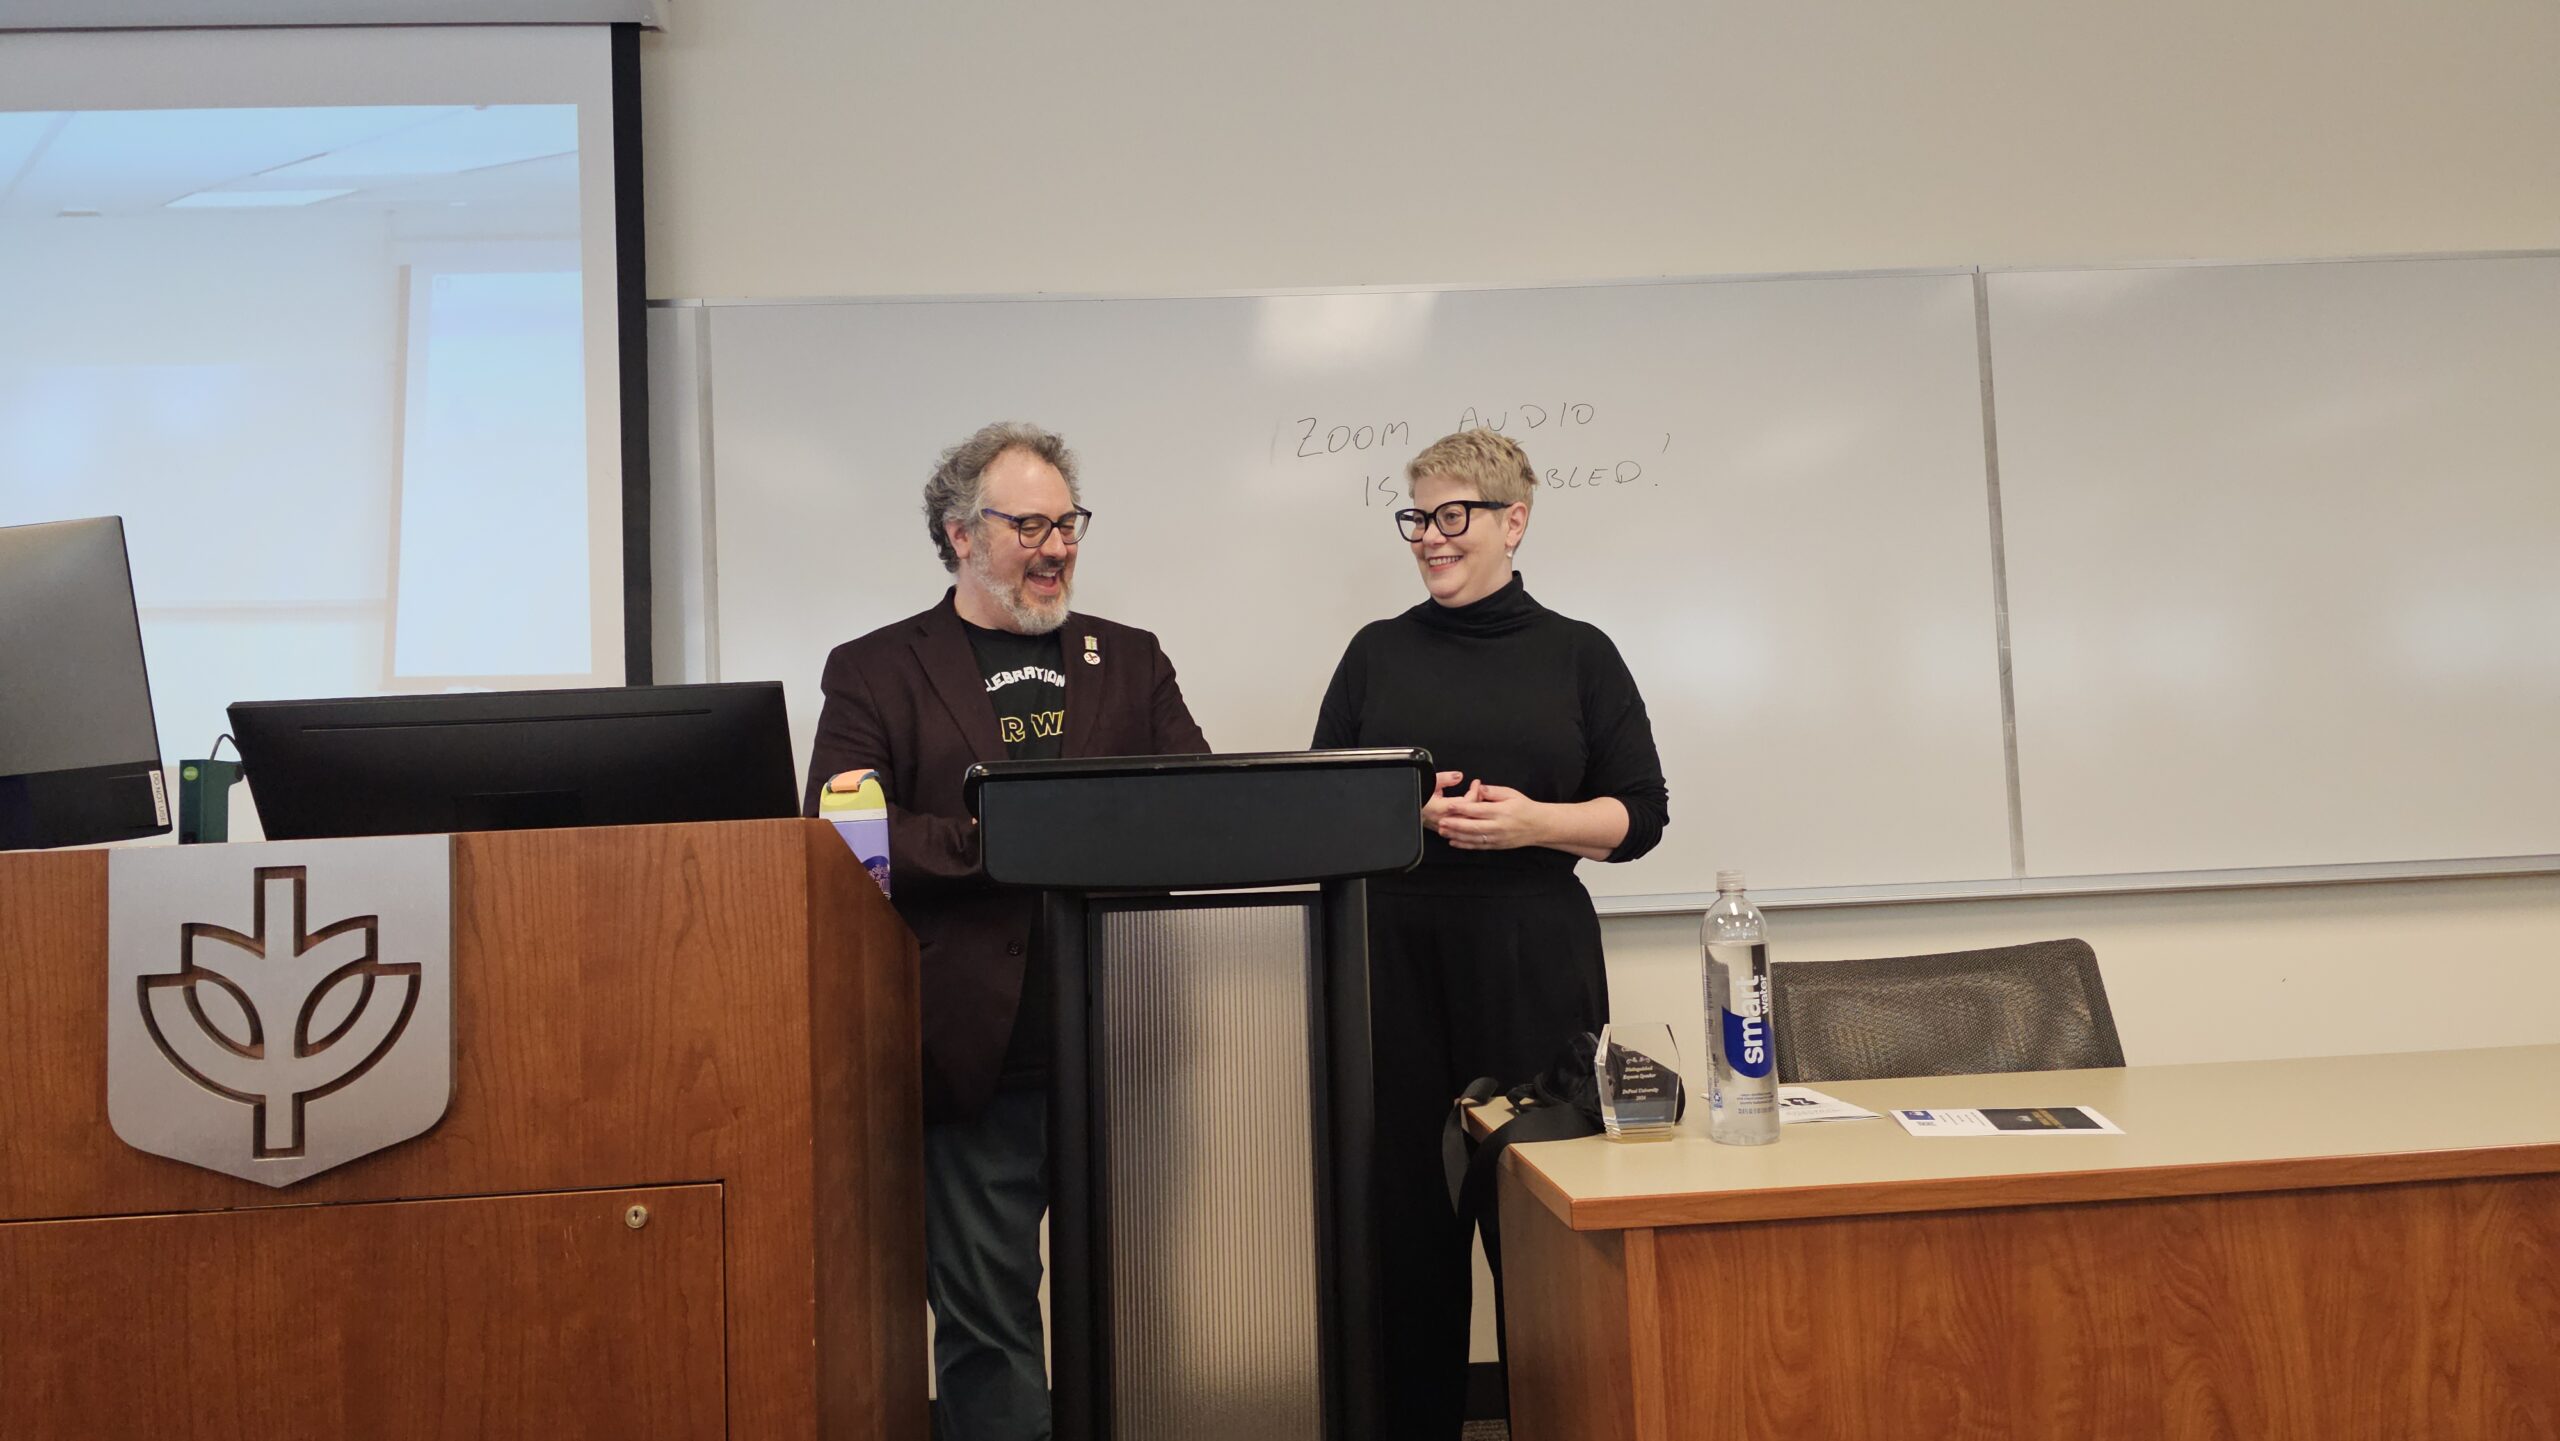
(716, 1023)
(491, 1316)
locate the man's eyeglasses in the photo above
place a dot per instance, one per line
(1034, 529)
(1450, 519)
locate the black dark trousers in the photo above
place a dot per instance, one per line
(1460, 986)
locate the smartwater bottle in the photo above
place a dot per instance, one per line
(1742, 1075)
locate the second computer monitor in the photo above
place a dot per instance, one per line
(517, 760)
(79, 750)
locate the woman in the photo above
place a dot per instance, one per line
(1485, 959)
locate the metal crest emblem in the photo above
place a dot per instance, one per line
(276, 1010)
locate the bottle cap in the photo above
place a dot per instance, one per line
(1728, 880)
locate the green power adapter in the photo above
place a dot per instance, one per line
(204, 800)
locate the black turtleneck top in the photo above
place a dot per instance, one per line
(1510, 693)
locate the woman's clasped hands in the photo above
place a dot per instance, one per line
(1482, 817)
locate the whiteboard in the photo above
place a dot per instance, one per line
(2283, 553)
(1770, 493)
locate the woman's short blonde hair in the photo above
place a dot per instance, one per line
(1490, 461)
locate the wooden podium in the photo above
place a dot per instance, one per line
(715, 1024)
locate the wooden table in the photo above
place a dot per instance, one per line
(2364, 1246)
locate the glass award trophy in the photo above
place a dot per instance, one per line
(1638, 1068)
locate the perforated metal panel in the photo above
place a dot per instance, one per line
(1201, 1073)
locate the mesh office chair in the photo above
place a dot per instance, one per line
(2035, 1007)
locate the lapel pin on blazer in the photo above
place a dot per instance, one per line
(1092, 651)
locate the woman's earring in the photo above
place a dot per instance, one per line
(1509, 551)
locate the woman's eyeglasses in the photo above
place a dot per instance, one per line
(1450, 519)
(1034, 529)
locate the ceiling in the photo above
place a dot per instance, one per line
(136, 162)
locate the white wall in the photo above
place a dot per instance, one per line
(809, 147)
(801, 148)
(2207, 975)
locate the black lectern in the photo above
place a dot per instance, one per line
(1211, 1256)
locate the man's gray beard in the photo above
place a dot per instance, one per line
(1009, 598)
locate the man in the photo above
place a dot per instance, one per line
(1001, 669)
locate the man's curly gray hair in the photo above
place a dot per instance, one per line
(959, 486)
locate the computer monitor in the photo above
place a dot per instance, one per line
(516, 760)
(79, 751)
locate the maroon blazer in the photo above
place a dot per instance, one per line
(909, 701)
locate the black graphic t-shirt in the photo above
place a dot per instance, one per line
(1030, 693)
